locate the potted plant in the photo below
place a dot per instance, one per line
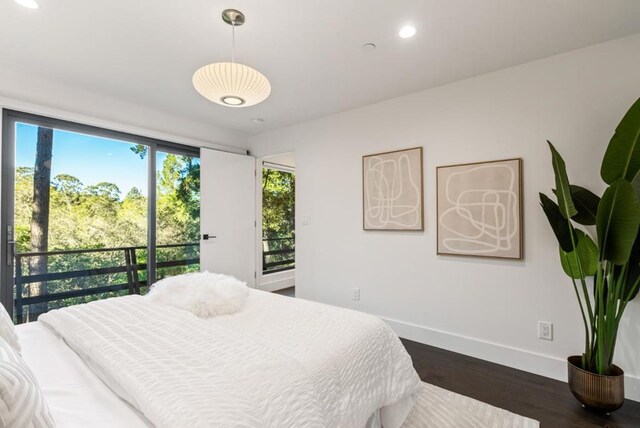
(605, 269)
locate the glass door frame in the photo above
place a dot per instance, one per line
(7, 197)
(270, 281)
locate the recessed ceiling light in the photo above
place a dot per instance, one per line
(407, 31)
(30, 4)
(368, 47)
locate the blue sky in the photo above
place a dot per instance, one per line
(88, 158)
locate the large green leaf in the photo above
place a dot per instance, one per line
(586, 202)
(559, 224)
(586, 251)
(563, 189)
(622, 158)
(617, 222)
(635, 250)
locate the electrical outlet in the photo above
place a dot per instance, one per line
(355, 294)
(545, 330)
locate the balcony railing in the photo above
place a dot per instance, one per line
(124, 263)
(278, 254)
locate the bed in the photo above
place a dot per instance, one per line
(125, 362)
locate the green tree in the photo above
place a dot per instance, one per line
(278, 216)
(98, 216)
(178, 210)
(278, 203)
(40, 213)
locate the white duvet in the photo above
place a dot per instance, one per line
(280, 362)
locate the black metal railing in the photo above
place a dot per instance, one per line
(131, 267)
(278, 254)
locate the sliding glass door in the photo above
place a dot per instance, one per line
(177, 213)
(89, 213)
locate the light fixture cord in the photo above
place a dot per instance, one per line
(233, 42)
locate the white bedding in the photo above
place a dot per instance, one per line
(280, 362)
(76, 397)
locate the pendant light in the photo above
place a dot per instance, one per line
(229, 83)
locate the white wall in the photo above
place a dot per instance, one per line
(486, 308)
(41, 97)
(31, 95)
(284, 159)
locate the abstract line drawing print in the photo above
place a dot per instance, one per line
(479, 212)
(393, 191)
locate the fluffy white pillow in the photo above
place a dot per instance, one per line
(8, 330)
(202, 293)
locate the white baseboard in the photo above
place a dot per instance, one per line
(540, 364)
(277, 281)
(275, 286)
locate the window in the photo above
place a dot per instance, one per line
(90, 213)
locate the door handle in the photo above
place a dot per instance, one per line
(11, 249)
(206, 237)
(11, 246)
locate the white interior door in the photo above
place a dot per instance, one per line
(227, 214)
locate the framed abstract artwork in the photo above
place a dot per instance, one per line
(392, 196)
(480, 209)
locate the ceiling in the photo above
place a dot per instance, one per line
(145, 51)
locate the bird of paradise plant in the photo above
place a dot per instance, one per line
(605, 271)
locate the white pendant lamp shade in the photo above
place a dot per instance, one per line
(231, 84)
(228, 83)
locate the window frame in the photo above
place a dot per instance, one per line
(277, 167)
(9, 120)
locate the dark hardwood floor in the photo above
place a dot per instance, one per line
(291, 292)
(546, 400)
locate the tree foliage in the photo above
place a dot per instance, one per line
(99, 216)
(278, 203)
(278, 216)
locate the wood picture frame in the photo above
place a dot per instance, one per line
(392, 191)
(479, 209)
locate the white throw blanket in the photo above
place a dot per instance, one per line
(280, 362)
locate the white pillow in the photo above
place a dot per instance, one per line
(202, 293)
(21, 401)
(8, 330)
